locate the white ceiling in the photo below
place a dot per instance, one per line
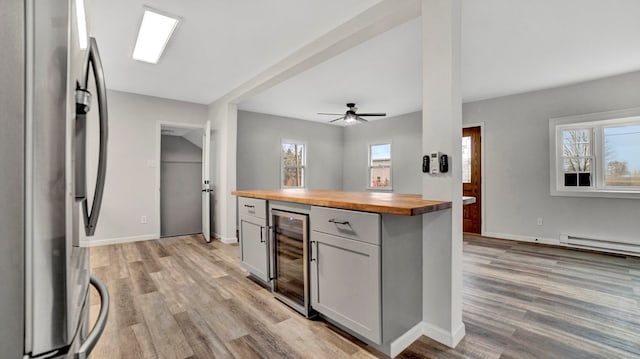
(380, 75)
(218, 45)
(508, 46)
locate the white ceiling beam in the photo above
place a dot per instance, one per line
(367, 25)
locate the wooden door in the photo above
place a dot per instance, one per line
(471, 179)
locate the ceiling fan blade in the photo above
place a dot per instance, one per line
(372, 114)
(337, 119)
(332, 114)
(361, 119)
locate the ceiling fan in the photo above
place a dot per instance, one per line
(351, 116)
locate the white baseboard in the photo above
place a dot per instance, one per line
(450, 339)
(225, 240)
(520, 238)
(458, 334)
(107, 241)
(406, 339)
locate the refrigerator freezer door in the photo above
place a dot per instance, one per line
(58, 278)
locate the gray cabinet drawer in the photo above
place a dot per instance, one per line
(252, 207)
(361, 226)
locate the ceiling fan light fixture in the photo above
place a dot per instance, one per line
(350, 118)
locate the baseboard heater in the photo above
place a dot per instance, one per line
(600, 244)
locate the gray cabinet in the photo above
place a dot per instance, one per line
(253, 237)
(345, 272)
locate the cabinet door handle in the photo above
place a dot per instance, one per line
(261, 237)
(338, 222)
(249, 206)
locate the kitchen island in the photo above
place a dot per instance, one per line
(360, 257)
(377, 202)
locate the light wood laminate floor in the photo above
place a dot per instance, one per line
(181, 298)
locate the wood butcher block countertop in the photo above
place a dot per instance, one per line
(377, 202)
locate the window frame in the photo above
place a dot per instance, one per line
(597, 123)
(369, 166)
(303, 166)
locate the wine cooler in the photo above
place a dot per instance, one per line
(289, 263)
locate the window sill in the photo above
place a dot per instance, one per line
(626, 194)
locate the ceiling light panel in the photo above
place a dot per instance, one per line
(154, 34)
(81, 23)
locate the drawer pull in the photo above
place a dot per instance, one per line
(338, 222)
(249, 206)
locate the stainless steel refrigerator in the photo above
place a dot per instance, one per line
(48, 66)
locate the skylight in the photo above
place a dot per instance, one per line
(155, 31)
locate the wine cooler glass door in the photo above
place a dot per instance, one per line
(290, 259)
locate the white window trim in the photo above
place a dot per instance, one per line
(589, 120)
(369, 167)
(303, 166)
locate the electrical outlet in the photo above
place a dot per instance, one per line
(539, 221)
(143, 219)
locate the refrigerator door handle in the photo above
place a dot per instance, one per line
(91, 217)
(83, 105)
(93, 337)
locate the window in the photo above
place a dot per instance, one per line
(293, 163)
(622, 156)
(380, 166)
(466, 159)
(577, 157)
(596, 155)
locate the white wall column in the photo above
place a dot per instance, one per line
(442, 126)
(224, 122)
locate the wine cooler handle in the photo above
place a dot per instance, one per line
(271, 269)
(312, 259)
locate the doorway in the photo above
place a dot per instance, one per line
(181, 166)
(472, 178)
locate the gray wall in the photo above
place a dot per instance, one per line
(180, 190)
(516, 165)
(180, 149)
(258, 156)
(405, 134)
(132, 166)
